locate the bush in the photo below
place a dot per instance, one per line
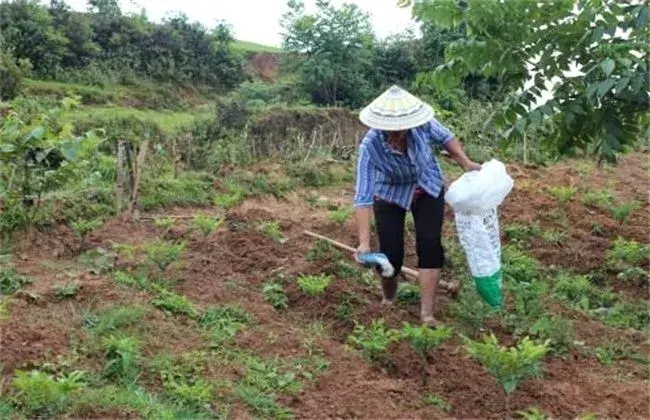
(314, 285)
(12, 72)
(42, 395)
(374, 341)
(189, 189)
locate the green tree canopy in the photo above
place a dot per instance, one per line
(601, 108)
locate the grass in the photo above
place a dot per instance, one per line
(252, 47)
(169, 121)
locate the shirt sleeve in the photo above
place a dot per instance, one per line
(438, 133)
(365, 178)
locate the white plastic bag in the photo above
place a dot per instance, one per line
(474, 197)
(477, 191)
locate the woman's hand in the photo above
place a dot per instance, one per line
(471, 166)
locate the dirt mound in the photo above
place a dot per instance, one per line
(265, 66)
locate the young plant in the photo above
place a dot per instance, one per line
(625, 253)
(470, 310)
(273, 231)
(622, 212)
(121, 354)
(556, 330)
(554, 237)
(206, 224)
(174, 304)
(563, 194)
(274, 294)
(374, 341)
(438, 402)
(66, 291)
(340, 216)
(10, 280)
(610, 351)
(509, 366)
(601, 199)
(224, 321)
(520, 232)
(83, 227)
(423, 339)
(137, 281)
(314, 285)
(533, 413)
(529, 304)
(518, 266)
(164, 223)
(408, 293)
(163, 253)
(323, 250)
(98, 261)
(40, 394)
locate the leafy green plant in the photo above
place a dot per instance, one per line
(563, 194)
(164, 223)
(529, 304)
(610, 351)
(424, 339)
(622, 212)
(83, 227)
(533, 413)
(634, 275)
(373, 341)
(263, 404)
(626, 253)
(509, 366)
(518, 266)
(556, 330)
(313, 285)
(323, 250)
(98, 261)
(163, 253)
(438, 402)
(137, 281)
(206, 224)
(554, 237)
(273, 231)
(274, 294)
(10, 280)
(470, 310)
(174, 304)
(408, 293)
(228, 200)
(114, 319)
(601, 199)
(521, 232)
(66, 291)
(635, 314)
(224, 321)
(340, 216)
(121, 354)
(42, 395)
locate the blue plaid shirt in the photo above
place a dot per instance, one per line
(392, 176)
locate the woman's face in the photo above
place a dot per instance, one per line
(396, 136)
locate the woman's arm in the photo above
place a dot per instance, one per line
(457, 153)
(363, 196)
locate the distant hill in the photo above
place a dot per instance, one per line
(252, 47)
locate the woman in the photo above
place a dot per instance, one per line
(397, 172)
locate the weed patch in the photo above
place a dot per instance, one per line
(174, 304)
(224, 322)
(373, 341)
(313, 285)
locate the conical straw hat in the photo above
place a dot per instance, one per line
(396, 110)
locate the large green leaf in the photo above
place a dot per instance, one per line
(608, 66)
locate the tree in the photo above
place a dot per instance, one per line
(12, 72)
(525, 44)
(394, 62)
(337, 49)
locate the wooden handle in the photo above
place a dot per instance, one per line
(407, 271)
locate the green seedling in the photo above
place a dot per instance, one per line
(323, 250)
(274, 294)
(529, 304)
(11, 281)
(509, 366)
(206, 224)
(224, 321)
(518, 266)
(610, 351)
(556, 330)
(625, 253)
(273, 231)
(340, 216)
(622, 212)
(40, 394)
(563, 194)
(373, 341)
(314, 285)
(66, 291)
(98, 261)
(164, 223)
(521, 232)
(121, 354)
(470, 310)
(408, 293)
(554, 237)
(137, 281)
(83, 227)
(601, 199)
(163, 253)
(174, 304)
(438, 402)
(533, 413)
(423, 339)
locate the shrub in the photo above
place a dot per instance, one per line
(273, 231)
(563, 194)
(622, 212)
(438, 402)
(374, 341)
(314, 285)
(556, 330)
(12, 72)
(10, 280)
(625, 253)
(517, 266)
(509, 366)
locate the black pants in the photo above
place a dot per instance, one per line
(428, 215)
